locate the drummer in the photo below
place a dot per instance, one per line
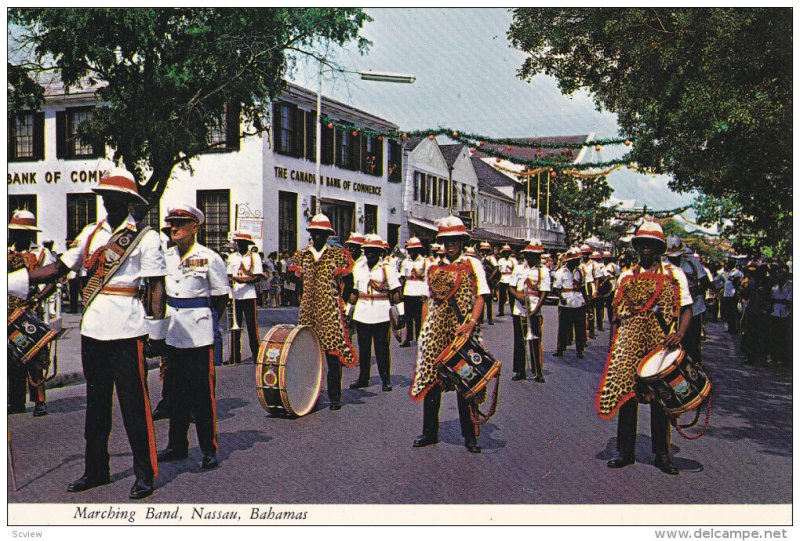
(378, 285)
(196, 284)
(24, 254)
(322, 268)
(441, 326)
(637, 333)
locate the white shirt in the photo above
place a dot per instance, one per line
(200, 274)
(613, 271)
(530, 280)
(566, 279)
(692, 268)
(248, 264)
(782, 293)
(676, 273)
(114, 317)
(416, 286)
(374, 310)
(18, 283)
(507, 267)
(730, 286)
(477, 267)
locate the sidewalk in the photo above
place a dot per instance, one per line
(68, 344)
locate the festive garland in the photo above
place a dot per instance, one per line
(470, 139)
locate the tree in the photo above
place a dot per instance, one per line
(577, 205)
(705, 94)
(167, 76)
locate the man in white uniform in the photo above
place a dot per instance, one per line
(196, 283)
(507, 266)
(244, 270)
(414, 274)
(118, 254)
(378, 287)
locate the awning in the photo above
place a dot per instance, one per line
(424, 224)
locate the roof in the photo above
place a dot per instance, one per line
(412, 143)
(528, 153)
(451, 153)
(487, 189)
(483, 234)
(489, 175)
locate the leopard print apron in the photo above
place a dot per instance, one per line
(321, 306)
(639, 333)
(455, 281)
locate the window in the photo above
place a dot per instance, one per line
(81, 211)
(418, 186)
(215, 205)
(442, 200)
(26, 137)
(454, 195)
(22, 202)
(328, 144)
(371, 155)
(68, 145)
(483, 210)
(225, 135)
(395, 161)
(289, 128)
(344, 149)
(370, 219)
(429, 195)
(287, 222)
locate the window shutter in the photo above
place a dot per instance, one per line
(233, 127)
(299, 120)
(12, 144)
(337, 143)
(61, 134)
(276, 126)
(327, 145)
(311, 134)
(38, 136)
(378, 149)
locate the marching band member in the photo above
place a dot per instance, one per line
(196, 283)
(569, 283)
(587, 268)
(492, 277)
(461, 279)
(601, 284)
(322, 267)
(24, 255)
(507, 265)
(611, 271)
(244, 270)
(531, 284)
(378, 287)
(118, 253)
(354, 245)
(635, 332)
(698, 281)
(414, 274)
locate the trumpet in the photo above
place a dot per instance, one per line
(234, 332)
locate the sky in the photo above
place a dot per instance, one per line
(466, 80)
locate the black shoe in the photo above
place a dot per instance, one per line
(405, 344)
(86, 482)
(518, 377)
(387, 387)
(209, 462)
(663, 463)
(539, 379)
(170, 455)
(491, 322)
(558, 354)
(472, 445)
(580, 355)
(424, 441)
(40, 410)
(359, 385)
(335, 406)
(621, 461)
(141, 489)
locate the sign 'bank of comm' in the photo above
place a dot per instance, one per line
(264, 185)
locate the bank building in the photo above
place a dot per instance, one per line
(263, 184)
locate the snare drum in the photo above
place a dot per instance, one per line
(677, 383)
(289, 370)
(468, 366)
(27, 335)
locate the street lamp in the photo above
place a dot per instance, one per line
(383, 77)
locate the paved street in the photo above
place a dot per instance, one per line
(545, 445)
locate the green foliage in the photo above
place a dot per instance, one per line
(705, 94)
(165, 76)
(23, 92)
(577, 205)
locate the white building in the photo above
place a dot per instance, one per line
(261, 184)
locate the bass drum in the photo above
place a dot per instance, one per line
(289, 370)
